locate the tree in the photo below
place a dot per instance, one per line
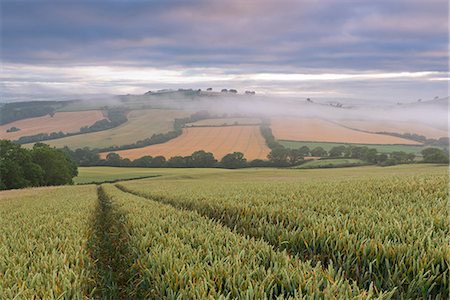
(144, 162)
(359, 152)
(370, 155)
(294, 156)
(318, 152)
(177, 162)
(402, 157)
(202, 159)
(381, 158)
(234, 160)
(258, 163)
(17, 170)
(434, 155)
(57, 166)
(304, 151)
(158, 161)
(113, 159)
(336, 151)
(278, 156)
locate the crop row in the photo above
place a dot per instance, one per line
(182, 255)
(44, 244)
(390, 232)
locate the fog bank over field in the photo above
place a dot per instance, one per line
(431, 112)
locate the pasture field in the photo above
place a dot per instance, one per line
(66, 122)
(331, 163)
(226, 121)
(380, 148)
(397, 127)
(218, 140)
(141, 124)
(319, 130)
(360, 233)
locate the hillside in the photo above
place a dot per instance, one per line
(67, 122)
(141, 124)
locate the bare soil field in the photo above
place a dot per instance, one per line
(397, 127)
(226, 121)
(141, 124)
(61, 121)
(318, 130)
(218, 140)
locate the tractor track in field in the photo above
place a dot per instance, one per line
(110, 250)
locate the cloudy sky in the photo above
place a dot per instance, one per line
(386, 49)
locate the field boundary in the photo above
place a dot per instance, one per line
(118, 180)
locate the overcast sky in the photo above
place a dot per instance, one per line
(384, 49)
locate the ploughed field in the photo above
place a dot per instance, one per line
(251, 233)
(67, 122)
(396, 127)
(218, 140)
(319, 130)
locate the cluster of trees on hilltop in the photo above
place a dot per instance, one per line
(11, 112)
(40, 166)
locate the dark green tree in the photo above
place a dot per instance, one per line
(234, 160)
(294, 156)
(319, 152)
(177, 162)
(279, 156)
(113, 159)
(435, 155)
(202, 159)
(158, 161)
(58, 167)
(336, 151)
(144, 162)
(304, 151)
(17, 170)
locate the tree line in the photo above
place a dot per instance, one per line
(39, 166)
(278, 157)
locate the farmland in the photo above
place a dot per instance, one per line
(397, 127)
(218, 140)
(339, 233)
(226, 121)
(66, 122)
(319, 130)
(43, 250)
(141, 124)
